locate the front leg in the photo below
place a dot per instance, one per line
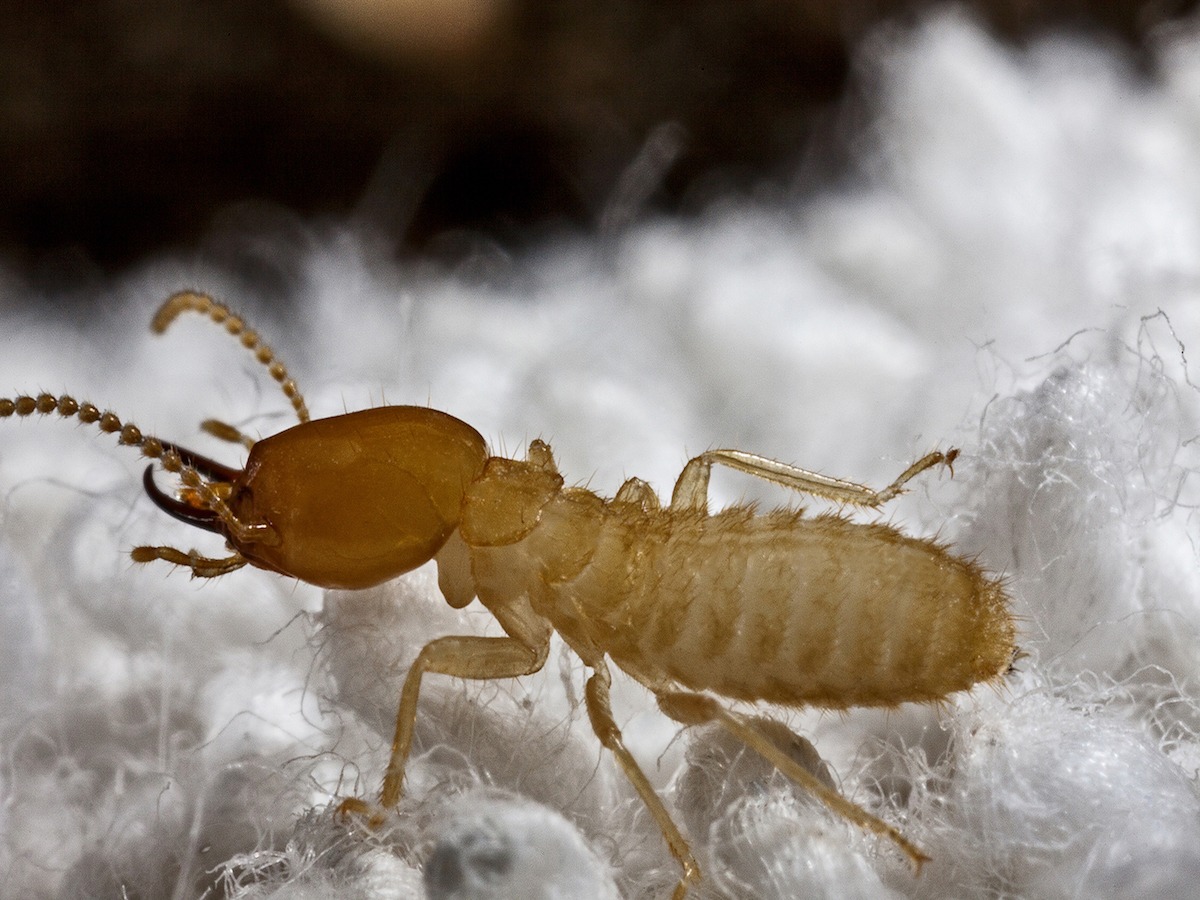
(461, 656)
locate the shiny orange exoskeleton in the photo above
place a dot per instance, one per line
(777, 607)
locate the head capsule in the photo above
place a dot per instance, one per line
(344, 502)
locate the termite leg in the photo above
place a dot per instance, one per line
(697, 709)
(201, 566)
(691, 490)
(460, 656)
(227, 432)
(600, 714)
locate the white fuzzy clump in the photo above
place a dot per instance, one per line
(1016, 274)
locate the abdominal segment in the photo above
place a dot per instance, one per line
(821, 611)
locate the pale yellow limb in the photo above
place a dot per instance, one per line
(460, 656)
(600, 713)
(696, 709)
(201, 566)
(691, 490)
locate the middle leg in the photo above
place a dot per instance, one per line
(600, 714)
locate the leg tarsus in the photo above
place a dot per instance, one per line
(356, 808)
(928, 461)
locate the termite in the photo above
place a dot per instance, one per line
(772, 607)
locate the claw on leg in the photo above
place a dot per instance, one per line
(355, 808)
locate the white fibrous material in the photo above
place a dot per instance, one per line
(1058, 799)
(491, 848)
(1015, 273)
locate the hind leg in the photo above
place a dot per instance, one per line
(691, 490)
(697, 709)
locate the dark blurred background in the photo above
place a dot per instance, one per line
(130, 127)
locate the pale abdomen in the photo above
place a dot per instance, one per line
(779, 608)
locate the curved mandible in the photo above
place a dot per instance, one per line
(194, 301)
(201, 517)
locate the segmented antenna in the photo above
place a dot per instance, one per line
(130, 435)
(193, 301)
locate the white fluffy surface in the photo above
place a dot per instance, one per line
(1017, 275)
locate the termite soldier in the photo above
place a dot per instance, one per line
(771, 607)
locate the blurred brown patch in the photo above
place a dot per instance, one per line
(125, 124)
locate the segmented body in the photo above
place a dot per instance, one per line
(775, 607)
(815, 611)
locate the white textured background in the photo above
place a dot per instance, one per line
(1018, 275)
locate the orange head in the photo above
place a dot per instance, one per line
(344, 502)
